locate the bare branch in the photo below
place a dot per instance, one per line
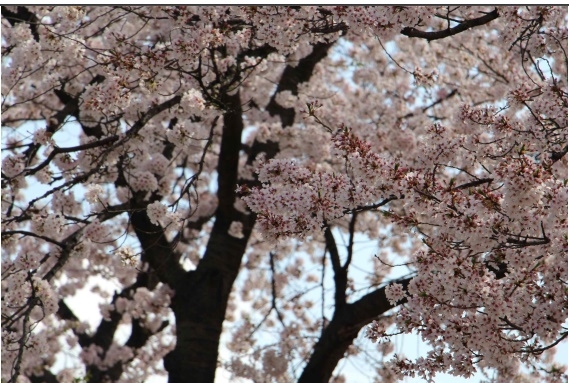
(461, 27)
(340, 274)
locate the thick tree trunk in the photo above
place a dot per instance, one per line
(201, 298)
(199, 308)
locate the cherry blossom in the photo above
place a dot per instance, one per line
(263, 191)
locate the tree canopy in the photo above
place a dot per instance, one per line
(272, 190)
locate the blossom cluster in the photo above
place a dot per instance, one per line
(445, 146)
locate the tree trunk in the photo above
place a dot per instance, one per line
(201, 297)
(199, 308)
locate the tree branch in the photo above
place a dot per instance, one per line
(373, 304)
(65, 313)
(157, 250)
(106, 330)
(57, 150)
(341, 332)
(274, 289)
(292, 77)
(474, 183)
(461, 27)
(69, 244)
(340, 274)
(352, 232)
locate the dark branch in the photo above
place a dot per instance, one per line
(463, 26)
(58, 150)
(340, 274)
(106, 330)
(474, 183)
(157, 250)
(375, 205)
(29, 233)
(65, 313)
(352, 230)
(292, 77)
(69, 244)
(341, 332)
(274, 293)
(373, 304)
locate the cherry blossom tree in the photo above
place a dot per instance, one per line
(220, 166)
